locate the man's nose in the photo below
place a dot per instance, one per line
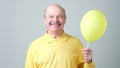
(55, 19)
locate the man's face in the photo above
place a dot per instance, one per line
(54, 18)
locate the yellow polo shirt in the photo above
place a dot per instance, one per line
(65, 52)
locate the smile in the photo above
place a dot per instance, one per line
(54, 23)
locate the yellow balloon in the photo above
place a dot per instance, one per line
(93, 25)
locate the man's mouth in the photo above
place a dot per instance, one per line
(54, 23)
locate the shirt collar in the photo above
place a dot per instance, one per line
(62, 38)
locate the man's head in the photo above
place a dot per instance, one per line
(57, 5)
(54, 17)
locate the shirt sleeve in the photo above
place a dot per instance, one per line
(30, 61)
(90, 65)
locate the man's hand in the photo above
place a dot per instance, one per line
(87, 52)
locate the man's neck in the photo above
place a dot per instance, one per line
(55, 34)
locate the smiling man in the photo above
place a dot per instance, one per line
(54, 18)
(56, 49)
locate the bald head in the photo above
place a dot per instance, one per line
(57, 6)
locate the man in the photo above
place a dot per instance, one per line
(56, 49)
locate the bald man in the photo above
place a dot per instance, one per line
(57, 49)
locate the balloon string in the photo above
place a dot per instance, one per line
(88, 45)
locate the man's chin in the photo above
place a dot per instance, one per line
(54, 30)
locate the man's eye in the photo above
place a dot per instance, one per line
(50, 16)
(61, 16)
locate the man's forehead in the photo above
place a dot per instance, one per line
(54, 8)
